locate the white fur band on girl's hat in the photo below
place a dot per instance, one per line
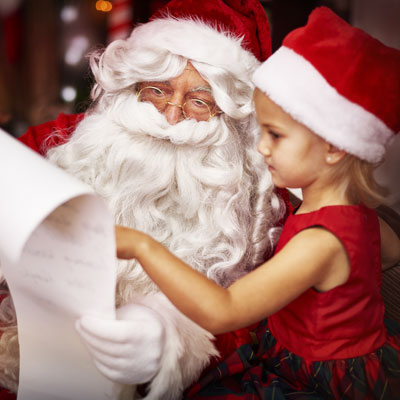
(231, 34)
(338, 81)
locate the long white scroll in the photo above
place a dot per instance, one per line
(57, 253)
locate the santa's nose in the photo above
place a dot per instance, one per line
(173, 113)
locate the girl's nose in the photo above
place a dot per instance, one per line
(263, 146)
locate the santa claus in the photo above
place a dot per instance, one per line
(170, 143)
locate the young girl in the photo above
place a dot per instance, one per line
(328, 103)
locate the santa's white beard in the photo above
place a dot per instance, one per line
(188, 185)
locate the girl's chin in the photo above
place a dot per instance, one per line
(278, 183)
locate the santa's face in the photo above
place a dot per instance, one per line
(187, 96)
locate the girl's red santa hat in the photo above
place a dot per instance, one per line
(231, 34)
(338, 81)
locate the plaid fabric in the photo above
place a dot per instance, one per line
(266, 370)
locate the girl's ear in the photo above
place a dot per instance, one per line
(333, 154)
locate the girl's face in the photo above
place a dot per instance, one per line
(294, 154)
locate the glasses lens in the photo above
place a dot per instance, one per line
(153, 95)
(197, 109)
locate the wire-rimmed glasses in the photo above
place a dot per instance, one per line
(193, 107)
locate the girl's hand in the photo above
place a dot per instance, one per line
(129, 242)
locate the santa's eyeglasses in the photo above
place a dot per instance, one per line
(192, 108)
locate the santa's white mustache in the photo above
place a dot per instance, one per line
(143, 118)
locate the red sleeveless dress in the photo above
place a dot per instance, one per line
(323, 345)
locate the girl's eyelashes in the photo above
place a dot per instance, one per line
(270, 131)
(273, 134)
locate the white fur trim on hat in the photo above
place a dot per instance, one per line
(295, 85)
(198, 41)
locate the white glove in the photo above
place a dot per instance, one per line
(127, 350)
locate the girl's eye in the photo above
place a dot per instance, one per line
(274, 134)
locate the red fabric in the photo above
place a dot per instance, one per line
(245, 18)
(227, 343)
(270, 371)
(347, 321)
(363, 69)
(6, 395)
(41, 137)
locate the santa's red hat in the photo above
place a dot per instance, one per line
(338, 81)
(232, 34)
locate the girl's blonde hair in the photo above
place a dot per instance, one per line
(361, 184)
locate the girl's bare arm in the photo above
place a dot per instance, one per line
(305, 261)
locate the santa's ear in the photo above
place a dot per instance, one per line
(333, 154)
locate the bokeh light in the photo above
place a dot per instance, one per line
(69, 13)
(102, 5)
(76, 50)
(68, 93)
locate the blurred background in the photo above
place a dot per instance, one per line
(44, 43)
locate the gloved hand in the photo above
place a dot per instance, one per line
(127, 350)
